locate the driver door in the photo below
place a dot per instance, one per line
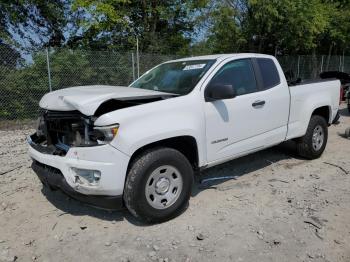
(233, 125)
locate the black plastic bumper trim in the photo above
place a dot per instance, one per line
(53, 178)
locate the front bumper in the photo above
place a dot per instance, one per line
(111, 163)
(53, 178)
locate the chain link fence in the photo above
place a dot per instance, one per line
(309, 67)
(23, 81)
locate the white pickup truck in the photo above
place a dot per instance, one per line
(139, 146)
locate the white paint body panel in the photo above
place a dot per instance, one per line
(246, 128)
(87, 99)
(285, 115)
(152, 122)
(304, 100)
(108, 160)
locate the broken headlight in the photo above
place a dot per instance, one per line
(106, 134)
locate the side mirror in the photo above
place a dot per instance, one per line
(219, 92)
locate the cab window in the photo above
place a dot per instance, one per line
(269, 73)
(239, 74)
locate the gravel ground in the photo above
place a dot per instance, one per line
(277, 208)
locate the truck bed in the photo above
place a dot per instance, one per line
(307, 95)
(311, 81)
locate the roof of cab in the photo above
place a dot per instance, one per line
(218, 57)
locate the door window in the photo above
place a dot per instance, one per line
(239, 74)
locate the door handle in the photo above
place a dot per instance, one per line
(258, 103)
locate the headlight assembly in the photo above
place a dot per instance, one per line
(106, 134)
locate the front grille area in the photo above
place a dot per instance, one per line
(59, 130)
(63, 127)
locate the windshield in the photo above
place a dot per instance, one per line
(176, 77)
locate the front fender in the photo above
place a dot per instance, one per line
(145, 124)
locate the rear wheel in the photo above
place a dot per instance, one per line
(158, 185)
(313, 143)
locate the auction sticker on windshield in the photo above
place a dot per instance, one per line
(191, 67)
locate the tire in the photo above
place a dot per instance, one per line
(305, 145)
(140, 188)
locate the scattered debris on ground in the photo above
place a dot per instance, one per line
(269, 206)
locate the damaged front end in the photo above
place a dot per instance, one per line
(71, 151)
(58, 131)
(71, 154)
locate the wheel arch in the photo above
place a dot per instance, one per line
(187, 145)
(324, 111)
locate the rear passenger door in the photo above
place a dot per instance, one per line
(253, 118)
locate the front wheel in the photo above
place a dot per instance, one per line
(158, 185)
(313, 143)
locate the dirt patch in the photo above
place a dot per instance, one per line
(17, 124)
(275, 207)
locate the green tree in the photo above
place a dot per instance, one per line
(161, 26)
(226, 34)
(337, 36)
(268, 26)
(34, 22)
(283, 26)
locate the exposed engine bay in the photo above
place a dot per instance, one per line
(58, 131)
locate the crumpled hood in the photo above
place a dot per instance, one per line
(87, 99)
